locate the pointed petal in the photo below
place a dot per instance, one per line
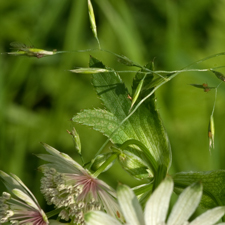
(26, 189)
(130, 206)
(157, 206)
(210, 217)
(13, 182)
(8, 181)
(111, 206)
(99, 218)
(23, 196)
(61, 159)
(186, 204)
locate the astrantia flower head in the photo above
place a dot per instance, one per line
(156, 209)
(73, 189)
(21, 209)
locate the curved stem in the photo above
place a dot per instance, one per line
(104, 165)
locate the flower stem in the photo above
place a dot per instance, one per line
(104, 165)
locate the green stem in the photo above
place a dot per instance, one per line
(214, 105)
(159, 176)
(142, 189)
(53, 213)
(85, 50)
(104, 165)
(143, 192)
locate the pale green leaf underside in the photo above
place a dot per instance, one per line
(213, 185)
(144, 125)
(103, 121)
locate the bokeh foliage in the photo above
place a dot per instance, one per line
(38, 97)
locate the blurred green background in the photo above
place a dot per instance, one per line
(38, 97)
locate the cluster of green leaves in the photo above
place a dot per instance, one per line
(138, 136)
(144, 125)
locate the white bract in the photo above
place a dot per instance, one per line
(21, 209)
(156, 209)
(73, 189)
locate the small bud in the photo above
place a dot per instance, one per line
(89, 70)
(6, 195)
(134, 165)
(76, 139)
(203, 86)
(219, 75)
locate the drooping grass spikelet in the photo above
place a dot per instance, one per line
(89, 70)
(211, 132)
(92, 21)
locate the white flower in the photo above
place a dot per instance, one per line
(156, 209)
(74, 189)
(24, 208)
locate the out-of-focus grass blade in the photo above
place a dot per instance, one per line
(18, 45)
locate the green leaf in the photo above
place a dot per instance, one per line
(213, 185)
(144, 125)
(103, 121)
